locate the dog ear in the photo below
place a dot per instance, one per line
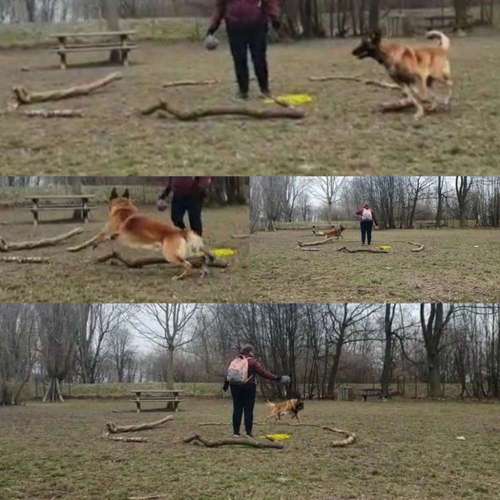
(376, 37)
(113, 194)
(126, 194)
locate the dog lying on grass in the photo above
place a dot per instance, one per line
(414, 69)
(330, 233)
(290, 407)
(129, 227)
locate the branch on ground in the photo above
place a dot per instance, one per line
(25, 260)
(195, 114)
(54, 113)
(240, 236)
(106, 435)
(29, 245)
(189, 83)
(366, 81)
(115, 429)
(197, 439)
(318, 242)
(23, 96)
(139, 262)
(419, 246)
(361, 250)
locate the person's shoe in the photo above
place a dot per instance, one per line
(249, 436)
(236, 436)
(243, 96)
(266, 94)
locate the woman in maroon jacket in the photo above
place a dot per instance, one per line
(366, 221)
(244, 394)
(247, 25)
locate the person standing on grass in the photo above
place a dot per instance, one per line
(241, 378)
(188, 196)
(247, 27)
(366, 220)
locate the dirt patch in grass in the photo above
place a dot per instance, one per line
(73, 277)
(456, 266)
(54, 450)
(342, 133)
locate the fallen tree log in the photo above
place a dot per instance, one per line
(196, 438)
(419, 246)
(26, 260)
(361, 250)
(189, 83)
(317, 242)
(22, 96)
(115, 429)
(240, 236)
(54, 113)
(149, 497)
(29, 245)
(366, 81)
(196, 114)
(139, 262)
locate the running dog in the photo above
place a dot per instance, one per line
(129, 227)
(290, 407)
(415, 70)
(334, 231)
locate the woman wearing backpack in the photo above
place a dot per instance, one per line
(247, 26)
(366, 219)
(241, 379)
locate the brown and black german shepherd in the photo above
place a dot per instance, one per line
(290, 407)
(330, 233)
(131, 228)
(414, 69)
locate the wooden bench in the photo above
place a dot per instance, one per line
(440, 21)
(168, 396)
(371, 393)
(61, 202)
(123, 46)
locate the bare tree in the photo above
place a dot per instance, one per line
(463, 185)
(169, 326)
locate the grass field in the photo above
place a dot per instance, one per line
(455, 266)
(71, 277)
(403, 450)
(341, 134)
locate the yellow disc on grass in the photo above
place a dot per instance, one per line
(385, 248)
(224, 252)
(292, 99)
(277, 437)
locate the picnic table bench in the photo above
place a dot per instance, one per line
(60, 202)
(123, 45)
(440, 21)
(168, 396)
(375, 393)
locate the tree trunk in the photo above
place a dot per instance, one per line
(460, 13)
(332, 379)
(373, 15)
(386, 377)
(170, 367)
(110, 12)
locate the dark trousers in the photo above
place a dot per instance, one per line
(243, 402)
(366, 231)
(190, 204)
(241, 40)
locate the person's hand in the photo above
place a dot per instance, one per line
(276, 24)
(161, 205)
(376, 227)
(285, 379)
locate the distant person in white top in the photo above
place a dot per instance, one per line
(366, 221)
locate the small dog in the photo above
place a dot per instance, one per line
(334, 231)
(290, 407)
(414, 69)
(135, 230)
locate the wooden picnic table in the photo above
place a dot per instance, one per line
(62, 202)
(440, 21)
(169, 396)
(124, 46)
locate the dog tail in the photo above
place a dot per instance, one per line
(444, 41)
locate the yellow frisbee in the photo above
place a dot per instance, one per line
(224, 252)
(385, 248)
(292, 99)
(277, 437)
